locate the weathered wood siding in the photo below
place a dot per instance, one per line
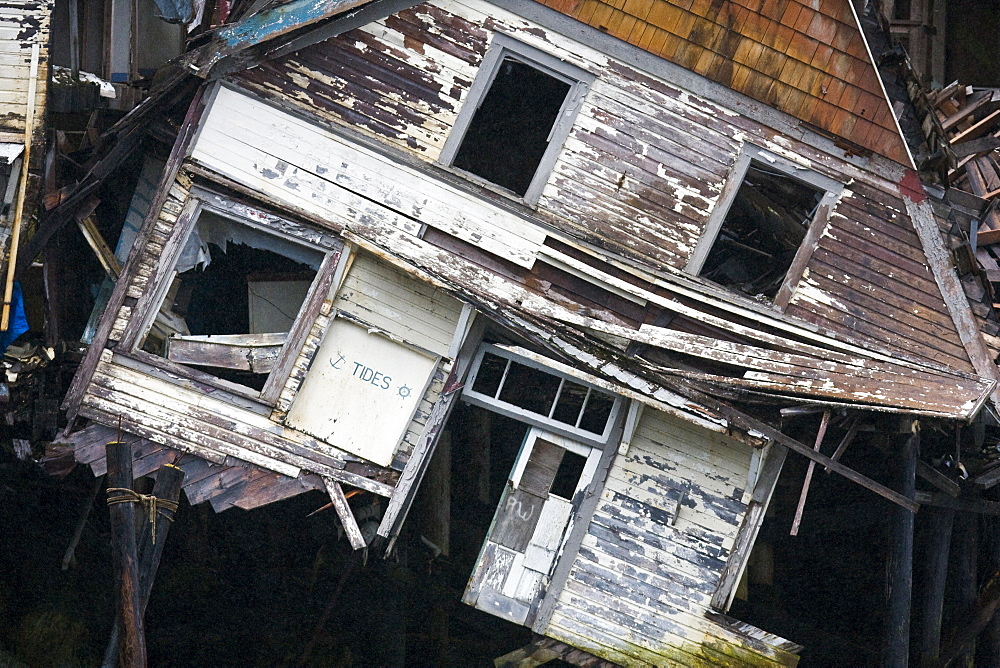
(642, 169)
(643, 578)
(192, 416)
(23, 23)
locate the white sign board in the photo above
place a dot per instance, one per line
(361, 392)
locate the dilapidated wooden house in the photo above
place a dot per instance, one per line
(667, 241)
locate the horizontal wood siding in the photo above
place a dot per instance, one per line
(641, 171)
(385, 297)
(23, 23)
(642, 581)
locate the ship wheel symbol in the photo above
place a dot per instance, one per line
(404, 391)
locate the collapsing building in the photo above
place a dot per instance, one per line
(669, 242)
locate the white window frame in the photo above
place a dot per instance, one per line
(503, 47)
(832, 191)
(547, 423)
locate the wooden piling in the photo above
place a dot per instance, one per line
(940, 522)
(896, 648)
(125, 559)
(169, 480)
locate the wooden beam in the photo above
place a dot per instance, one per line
(345, 514)
(125, 557)
(824, 422)
(899, 586)
(966, 505)
(852, 431)
(938, 479)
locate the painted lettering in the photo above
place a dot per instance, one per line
(517, 508)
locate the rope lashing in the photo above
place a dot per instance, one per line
(151, 504)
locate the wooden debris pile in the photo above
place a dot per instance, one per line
(970, 120)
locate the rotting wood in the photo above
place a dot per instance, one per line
(820, 433)
(938, 479)
(169, 480)
(346, 515)
(899, 567)
(935, 576)
(125, 559)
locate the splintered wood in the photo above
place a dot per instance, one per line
(971, 120)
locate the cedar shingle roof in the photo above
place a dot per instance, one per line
(806, 58)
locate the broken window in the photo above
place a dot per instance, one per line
(757, 232)
(517, 115)
(521, 389)
(235, 293)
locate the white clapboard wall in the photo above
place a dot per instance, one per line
(655, 549)
(315, 170)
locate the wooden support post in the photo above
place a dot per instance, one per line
(824, 422)
(125, 559)
(935, 576)
(169, 480)
(899, 589)
(965, 547)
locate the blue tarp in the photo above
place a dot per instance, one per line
(18, 324)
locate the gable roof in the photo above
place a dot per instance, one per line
(807, 59)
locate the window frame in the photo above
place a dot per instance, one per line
(545, 423)
(832, 192)
(147, 306)
(502, 47)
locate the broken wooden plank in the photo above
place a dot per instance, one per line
(346, 515)
(824, 422)
(256, 353)
(938, 479)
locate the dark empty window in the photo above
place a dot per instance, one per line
(568, 475)
(515, 118)
(234, 297)
(762, 232)
(510, 131)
